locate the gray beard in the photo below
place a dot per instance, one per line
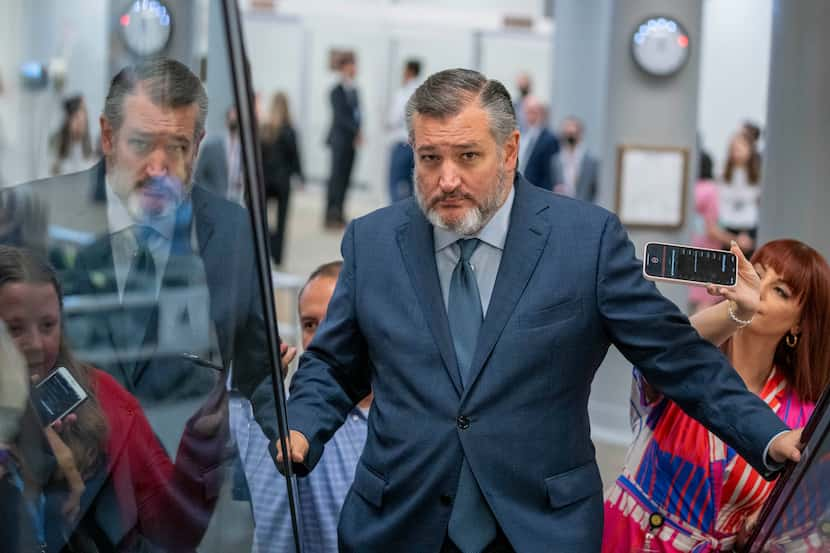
(122, 184)
(474, 219)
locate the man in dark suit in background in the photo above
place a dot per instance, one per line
(343, 138)
(537, 145)
(575, 170)
(478, 313)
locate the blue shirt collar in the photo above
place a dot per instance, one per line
(493, 233)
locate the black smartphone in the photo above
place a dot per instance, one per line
(688, 265)
(57, 395)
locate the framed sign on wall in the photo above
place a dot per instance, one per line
(651, 186)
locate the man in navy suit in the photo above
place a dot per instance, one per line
(478, 313)
(537, 145)
(343, 139)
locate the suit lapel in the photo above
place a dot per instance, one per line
(202, 218)
(417, 247)
(526, 239)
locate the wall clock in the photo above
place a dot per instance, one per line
(660, 46)
(146, 27)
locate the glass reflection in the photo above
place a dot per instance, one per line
(140, 281)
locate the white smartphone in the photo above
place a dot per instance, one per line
(689, 265)
(57, 395)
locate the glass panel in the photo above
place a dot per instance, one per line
(797, 515)
(132, 263)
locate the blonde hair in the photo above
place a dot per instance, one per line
(278, 117)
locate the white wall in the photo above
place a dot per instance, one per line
(734, 71)
(10, 46)
(534, 8)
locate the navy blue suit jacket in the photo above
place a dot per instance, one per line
(538, 168)
(345, 122)
(568, 287)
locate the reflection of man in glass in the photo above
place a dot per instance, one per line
(166, 294)
(150, 133)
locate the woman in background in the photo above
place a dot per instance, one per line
(71, 145)
(706, 232)
(739, 194)
(280, 161)
(682, 489)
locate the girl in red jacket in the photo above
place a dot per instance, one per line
(99, 481)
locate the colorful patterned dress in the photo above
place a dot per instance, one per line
(701, 488)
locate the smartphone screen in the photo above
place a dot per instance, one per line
(57, 396)
(695, 265)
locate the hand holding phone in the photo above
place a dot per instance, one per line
(57, 395)
(689, 265)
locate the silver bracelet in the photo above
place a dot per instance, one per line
(740, 322)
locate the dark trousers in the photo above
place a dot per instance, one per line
(277, 237)
(401, 162)
(342, 161)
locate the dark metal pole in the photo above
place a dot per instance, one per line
(253, 178)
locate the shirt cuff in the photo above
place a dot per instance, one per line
(771, 465)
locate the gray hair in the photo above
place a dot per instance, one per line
(447, 93)
(167, 82)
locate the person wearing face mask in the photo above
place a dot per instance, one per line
(575, 170)
(682, 488)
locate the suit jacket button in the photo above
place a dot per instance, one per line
(463, 422)
(446, 499)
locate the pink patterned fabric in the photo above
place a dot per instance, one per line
(677, 468)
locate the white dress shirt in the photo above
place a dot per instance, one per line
(396, 119)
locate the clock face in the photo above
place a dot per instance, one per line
(660, 46)
(147, 26)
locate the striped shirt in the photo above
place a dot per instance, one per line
(321, 493)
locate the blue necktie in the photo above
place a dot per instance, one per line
(141, 279)
(142, 272)
(472, 525)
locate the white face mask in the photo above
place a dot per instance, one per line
(14, 387)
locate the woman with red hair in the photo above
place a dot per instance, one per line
(682, 488)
